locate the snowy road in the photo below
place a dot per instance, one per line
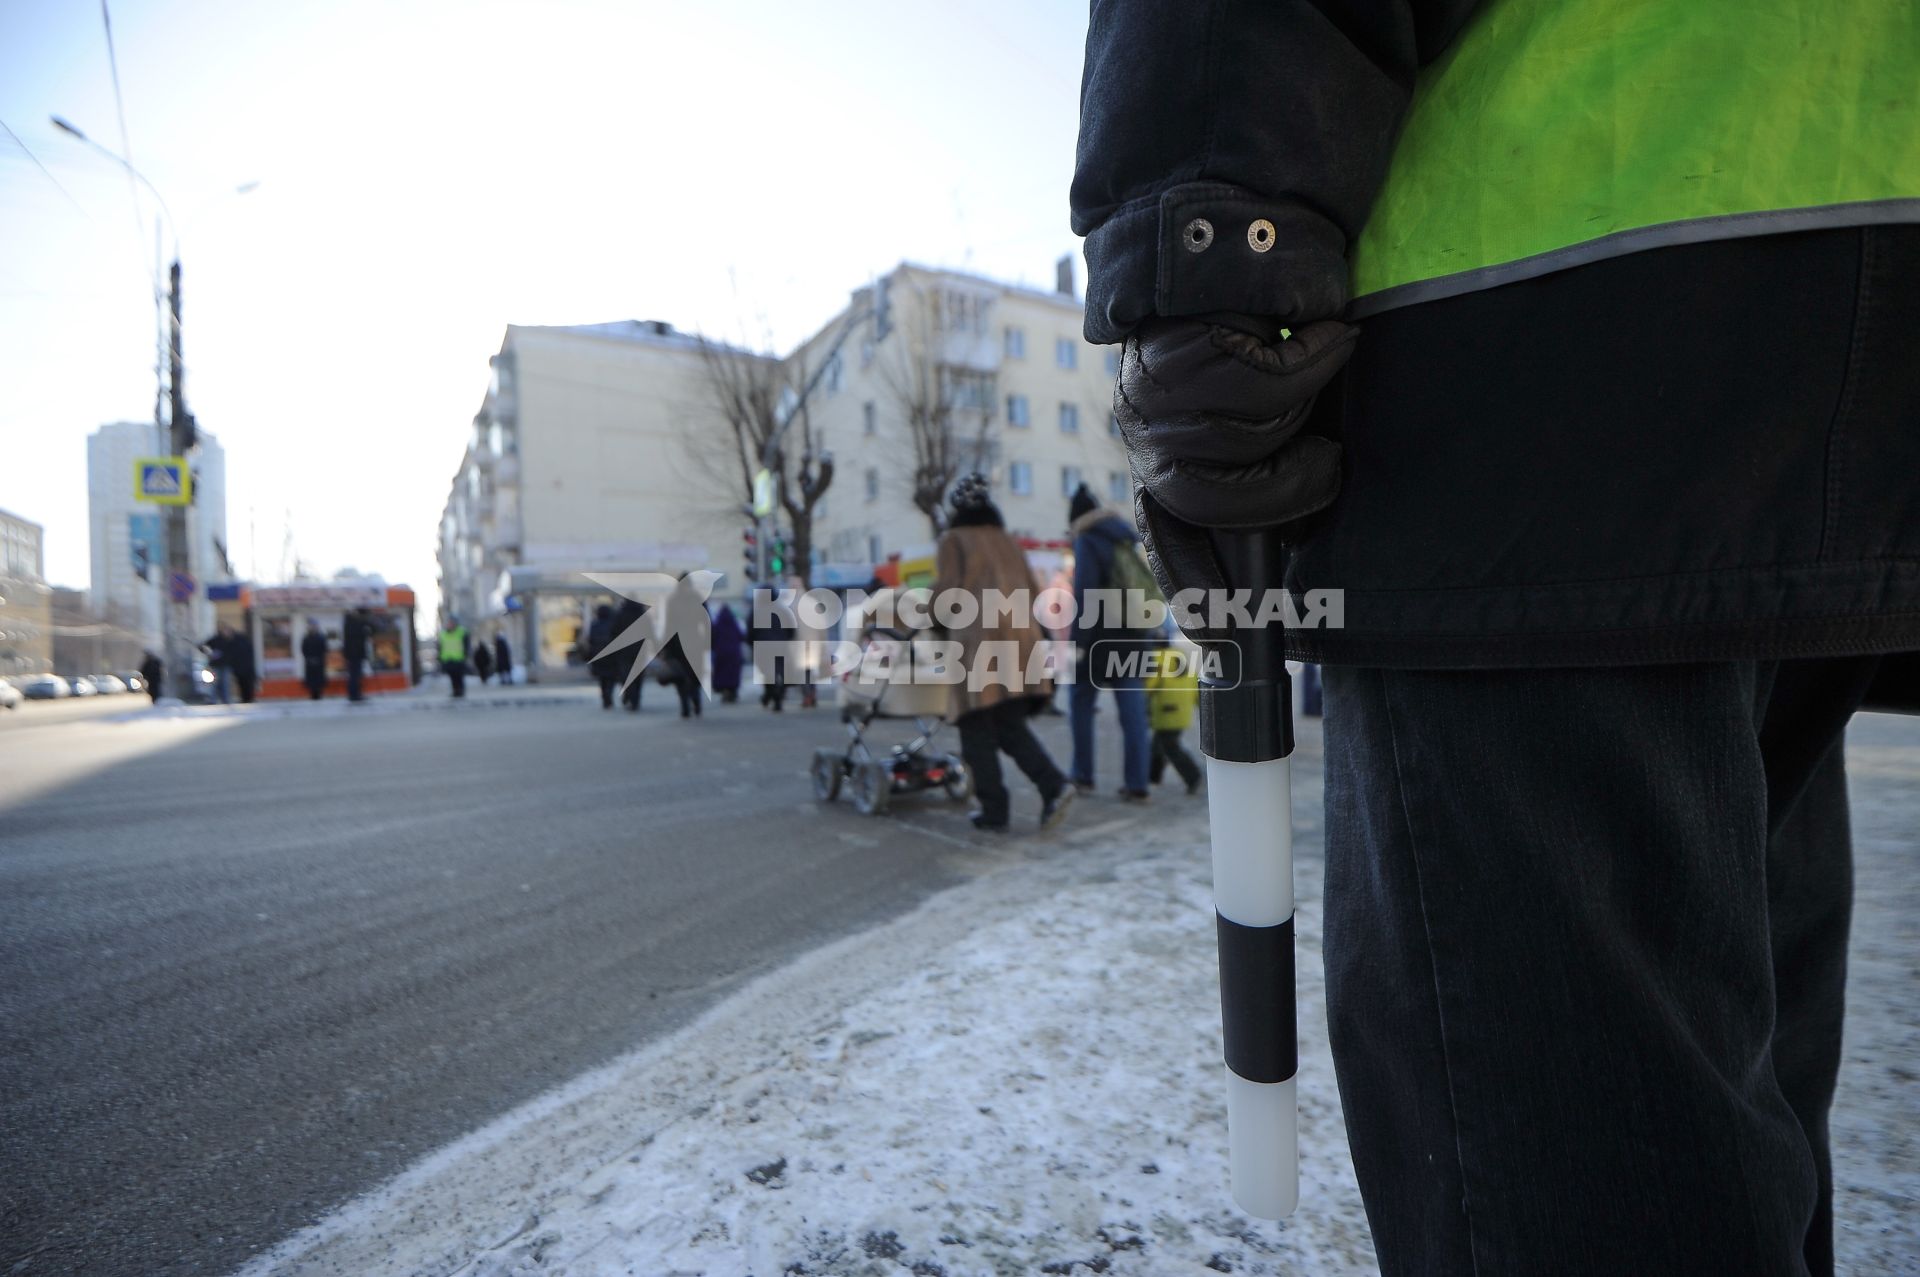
(253, 969)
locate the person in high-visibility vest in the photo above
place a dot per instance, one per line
(1615, 305)
(455, 643)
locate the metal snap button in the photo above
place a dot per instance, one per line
(1198, 235)
(1260, 236)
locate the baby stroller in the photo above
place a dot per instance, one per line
(907, 768)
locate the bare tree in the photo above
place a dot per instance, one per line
(948, 407)
(747, 393)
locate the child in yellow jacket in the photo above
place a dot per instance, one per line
(1172, 690)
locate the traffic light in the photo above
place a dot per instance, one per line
(750, 551)
(777, 557)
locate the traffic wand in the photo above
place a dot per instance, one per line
(1246, 732)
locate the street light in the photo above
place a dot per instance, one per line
(177, 436)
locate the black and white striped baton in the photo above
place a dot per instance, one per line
(1246, 731)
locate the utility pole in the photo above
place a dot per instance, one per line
(177, 614)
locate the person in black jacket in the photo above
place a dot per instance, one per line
(313, 656)
(354, 638)
(153, 674)
(600, 633)
(1099, 536)
(503, 657)
(771, 635)
(240, 663)
(483, 660)
(1620, 552)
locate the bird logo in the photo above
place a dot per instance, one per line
(674, 608)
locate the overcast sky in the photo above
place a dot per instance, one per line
(432, 172)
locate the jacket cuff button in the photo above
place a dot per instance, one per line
(1198, 235)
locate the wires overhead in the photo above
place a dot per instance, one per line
(47, 172)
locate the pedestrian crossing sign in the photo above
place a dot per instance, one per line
(162, 481)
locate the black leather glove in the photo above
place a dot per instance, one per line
(1211, 410)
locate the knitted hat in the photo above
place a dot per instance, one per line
(969, 492)
(1082, 502)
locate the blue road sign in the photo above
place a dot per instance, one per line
(180, 586)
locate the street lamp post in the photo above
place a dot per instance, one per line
(176, 613)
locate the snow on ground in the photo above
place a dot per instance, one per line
(1021, 1077)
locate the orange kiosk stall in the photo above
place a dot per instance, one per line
(278, 617)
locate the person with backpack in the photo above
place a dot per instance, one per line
(1106, 557)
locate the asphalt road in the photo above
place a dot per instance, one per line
(251, 968)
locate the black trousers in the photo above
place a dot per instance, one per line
(353, 680)
(688, 688)
(316, 680)
(457, 675)
(987, 733)
(1586, 946)
(1168, 749)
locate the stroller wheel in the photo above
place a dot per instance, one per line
(826, 775)
(872, 785)
(959, 780)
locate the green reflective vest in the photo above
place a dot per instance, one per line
(1558, 132)
(453, 644)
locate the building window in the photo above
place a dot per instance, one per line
(1113, 361)
(1117, 487)
(967, 390)
(1113, 425)
(833, 375)
(1016, 343)
(866, 352)
(1019, 478)
(1069, 419)
(1066, 352)
(873, 484)
(869, 419)
(1018, 414)
(875, 552)
(1069, 480)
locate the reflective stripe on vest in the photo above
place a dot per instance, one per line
(1558, 132)
(453, 644)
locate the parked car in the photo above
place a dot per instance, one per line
(133, 681)
(107, 684)
(10, 697)
(83, 686)
(46, 687)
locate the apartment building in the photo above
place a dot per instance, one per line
(943, 372)
(603, 448)
(598, 448)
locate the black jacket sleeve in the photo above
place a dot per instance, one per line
(1200, 118)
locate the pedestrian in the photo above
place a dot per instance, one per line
(630, 613)
(1100, 538)
(503, 657)
(355, 636)
(599, 634)
(216, 650)
(313, 656)
(998, 697)
(483, 660)
(456, 645)
(240, 662)
(1618, 554)
(1172, 691)
(153, 674)
(729, 649)
(773, 647)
